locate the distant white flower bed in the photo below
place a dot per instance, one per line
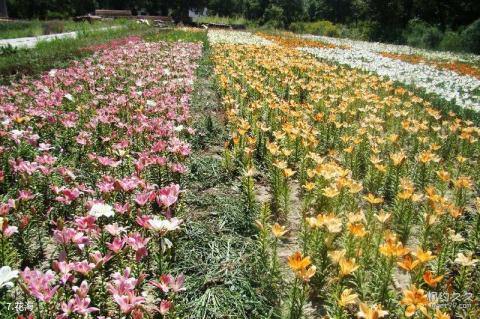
(397, 49)
(463, 90)
(236, 37)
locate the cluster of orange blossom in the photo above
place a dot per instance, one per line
(389, 199)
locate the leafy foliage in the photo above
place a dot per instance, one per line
(15, 63)
(422, 23)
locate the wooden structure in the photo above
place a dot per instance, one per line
(113, 13)
(163, 22)
(90, 18)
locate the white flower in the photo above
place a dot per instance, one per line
(398, 49)
(466, 260)
(164, 225)
(115, 230)
(455, 237)
(236, 37)
(444, 83)
(69, 97)
(99, 210)
(6, 275)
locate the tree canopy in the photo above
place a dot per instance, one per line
(393, 14)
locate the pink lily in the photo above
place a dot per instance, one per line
(39, 284)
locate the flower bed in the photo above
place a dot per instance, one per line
(398, 49)
(463, 90)
(236, 37)
(293, 41)
(91, 159)
(375, 190)
(113, 44)
(457, 67)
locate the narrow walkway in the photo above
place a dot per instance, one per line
(291, 241)
(31, 42)
(217, 252)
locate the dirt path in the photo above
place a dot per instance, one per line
(291, 241)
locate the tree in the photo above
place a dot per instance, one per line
(333, 10)
(359, 10)
(388, 14)
(226, 7)
(180, 8)
(3, 9)
(274, 16)
(254, 9)
(293, 10)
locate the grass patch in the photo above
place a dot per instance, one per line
(173, 35)
(17, 63)
(20, 29)
(218, 251)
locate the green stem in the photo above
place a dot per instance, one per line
(2, 249)
(160, 257)
(293, 299)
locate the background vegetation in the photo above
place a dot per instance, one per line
(436, 24)
(16, 63)
(19, 29)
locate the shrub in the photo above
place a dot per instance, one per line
(421, 34)
(322, 27)
(452, 41)
(362, 30)
(273, 16)
(8, 50)
(52, 27)
(471, 37)
(298, 27)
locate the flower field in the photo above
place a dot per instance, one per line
(251, 176)
(90, 156)
(463, 90)
(398, 49)
(373, 190)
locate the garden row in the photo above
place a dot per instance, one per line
(16, 63)
(372, 193)
(91, 158)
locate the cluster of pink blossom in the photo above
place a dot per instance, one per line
(113, 44)
(91, 162)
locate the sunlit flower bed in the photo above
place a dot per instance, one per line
(458, 67)
(388, 221)
(293, 41)
(235, 37)
(398, 49)
(463, 90)
(90, 163)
